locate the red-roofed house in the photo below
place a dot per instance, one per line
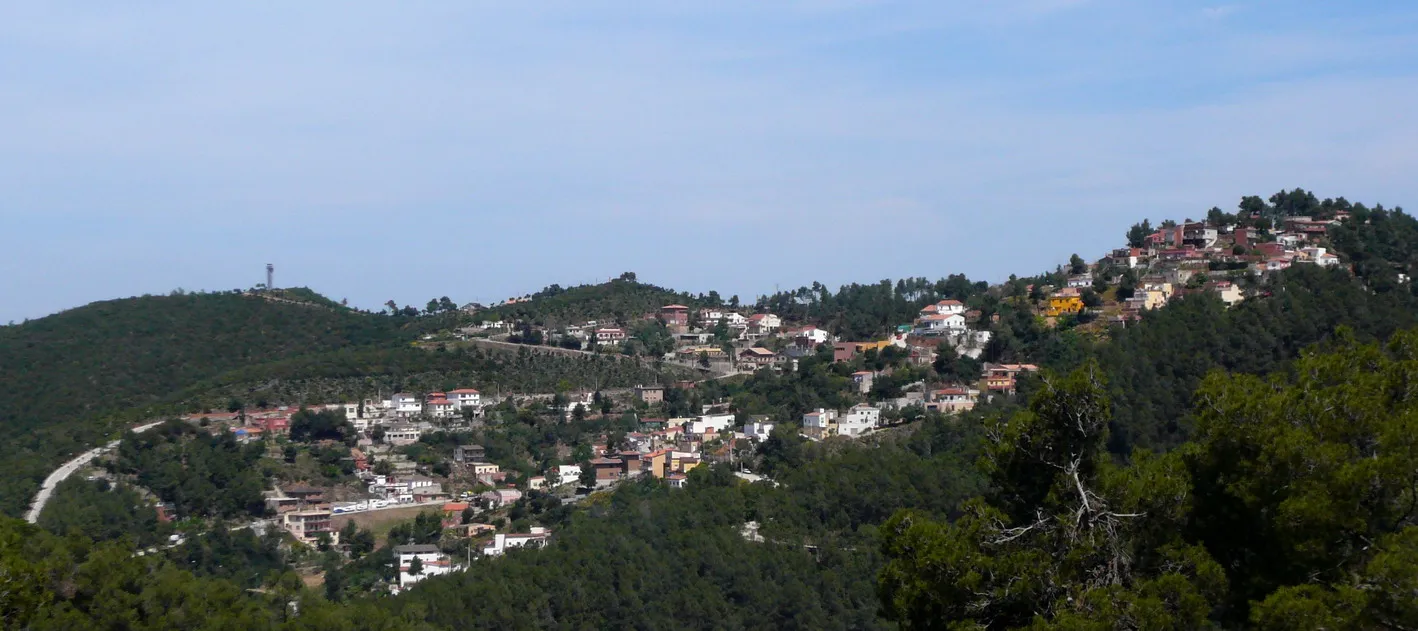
(952, 399)
(453, 513)
(465, 397)
(944, 307)
(608, 469)
(439, 407)
(765, 322)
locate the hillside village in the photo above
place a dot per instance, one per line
(595, 426)
(409, 449)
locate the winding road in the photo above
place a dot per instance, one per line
(67, 469)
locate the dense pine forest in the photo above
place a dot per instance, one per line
(1206, 467)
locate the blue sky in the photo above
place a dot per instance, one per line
(378, 151)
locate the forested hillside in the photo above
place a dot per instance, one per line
(1154, 367)
(1292, 508)
(63, 375)
(621, 300)
(69, 380)
(1312, 528)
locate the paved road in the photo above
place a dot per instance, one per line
(67, 469)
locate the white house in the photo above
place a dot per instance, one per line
(465, 397)
(765, 321)
(568, 474)
(1278, 263)
(736, 320)
(584, 399)
(716, 422)
(758, 430)
(405, 404)
(811, 334)
(940, 322)
(953, 399)
(1080, 281)
(434, 563)
(402, 434)
(859, 420)
(944, 307)
(503, 542)
(439, 407)
(1319, 256)
(819, 421)
(610, 335)
(351, 410)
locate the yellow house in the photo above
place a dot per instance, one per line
(1154, 299)
(1060, 304)
(863, 347)
(684, 465)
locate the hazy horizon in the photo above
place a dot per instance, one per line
(480, 151)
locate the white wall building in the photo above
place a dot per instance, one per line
(940, 322)
(465, 397)
(813, 335)
(608, 335)
(404, 404)
(944, 307)
(718, 422)
(758, 431)
(567, 474)
(586, 400)
(859, 420)
(440, 408)
(820, 419)
(765, 321)
(501, 543)
(434, 562)
(351, 410)
(402, 434)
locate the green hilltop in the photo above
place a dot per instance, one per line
(71, 380)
